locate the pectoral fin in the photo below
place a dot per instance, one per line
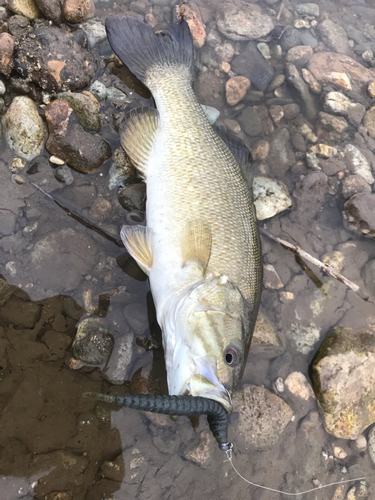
(196, 244)
(137, 136)
(137, 241)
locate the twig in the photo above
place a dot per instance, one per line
(280, 11)
(306, 256)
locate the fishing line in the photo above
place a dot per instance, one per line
(230, 460)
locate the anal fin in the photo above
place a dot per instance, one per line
(196, 243)
(137, 241)
(137, 136)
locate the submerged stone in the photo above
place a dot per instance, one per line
(92, 343)
(270, 197)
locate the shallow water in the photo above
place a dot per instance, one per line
(57, 445)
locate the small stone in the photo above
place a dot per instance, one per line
(371, 89)
(359, 211)
(100, 208)
(291, 111)
(6, 52)
(305, 337)
(335, 123)
(196, 26)
(236, 89)
(224, 66)
(369, 121)
(338, 103)
(354, 184)
(368, 273)
(122, 170)
(17, 165)
(308, 133)
(211, 113)
(291, 38)
(334, 36)
(247, 22)
(250, 122)
(113, 470)
(339, 452)
(133, 197)
(266, 342)
(260, 150)
(286, 297)
(251, 63)
(311, 81)
(276, 113)
(76, 11)
(24, 128)
(339, 79)
(27, 8)
(361, 443)
(2, 88)
(51, 9)
(18, 179)
(92, 343)
(271, 279)
(117, 96)
(358, 163)
(299, 55)
(86, 107)
(270, 197)
(297, 384)
(281, 155)
(279, 384)
(95, 32)
(324, 150)
(312, 160)
(264, 50)
(225, 52)
(276, 82)
(56, 161)
(368, 55)
(232, 125)
(308, 9)
(64, 174)
(99, 90)
(295, 79)
(301, 23)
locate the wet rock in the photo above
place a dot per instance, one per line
(296, 80)
(133, 197)
(298, 142)
(263, 416)
(307, 38)
(86, 107)
(24, 128)
(265, 340)
(21, 314)
(333, 123)
(27, 8)
(368, 273)
(331, 166)
(309, 194)
(211, 113)
(270, 197)
(281, 156)
(92, 343)
(120, 364)
(311, 81)
(114, 469)
(291, 38)
(307, 9)
(51, 9)
(291, 111)
(299, 55)
(339, 452)
(69, 140)
(369, 121)
(354, 184)
(338, 103)
(247, 22)
(251, 64)
(299, 386)
(276, 113)
(334, 36)
(277, 81)
(324, 150)
(357, 163)
(196, 26)
(210, 89)
(361, 442)
(98, 90)
(358, 492)
(117, 96)
(236, 89)
(260, 150)
(6, 53)
(7, 222)
(250, 122)
(224, 52)
(371, 89)
(122, 170)
(54, 60)
(64, 174)
(76, 11)
(137, 318)
(305, 338)
(95, 32)
(359, 212)
(343, 375)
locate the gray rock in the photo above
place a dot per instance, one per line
(344, 381)
(295, 79)
(99, 90)
(251, 63)
(24, 128)
(331, 166)
(309, 195)
(117, 96)
(263, 416)
(281, 155)
(51, 9)
(291, 38)
(92, 343)
(95, 32)
(354, 184)
(19, 26)
(7, 222)
(308, 9)
(270, 197)
(306, 337)
(307, 38)
(224, 52)
(210, 89)
(334, 36)
(247, 22)
(64, 174)
(299, 55)
(369, 276)
(357, 163)
(133, 197)
(250, 122)
(291, 111)
(86, 107)
(359, 212)
(211, 113)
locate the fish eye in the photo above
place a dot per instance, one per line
(232, 356)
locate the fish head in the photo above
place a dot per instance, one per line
(210, 342)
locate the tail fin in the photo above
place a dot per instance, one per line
(141, 49)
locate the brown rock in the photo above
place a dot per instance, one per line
(196, 26)
(76, 11)
(276, 113)
(210, 88)
(360, 213)
(69, 140)
(51, 9)
(369, 121)
(311, 81)
(27, 8)
(6, 52)
(236, 89)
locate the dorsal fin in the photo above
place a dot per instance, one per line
(196, 243)
(137, 135)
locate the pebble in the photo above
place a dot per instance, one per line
(281, 155)
(86, 107)
(312, 160)
(279, 384)
(332, 122)
(17, 165)
(371, 89)
(211, 113)
(338, 103)
(56, 161)
(334, 36)
(361, 443)
(368, 273)
(76, 11)
(305, 337)
(297, 384)
(324, 150)
(232, 125)
(251, 63)
(224, 66)
(266, 342)
(270, 197)
(301, 23)
(51, 9)
(299, 55)
(247, 22)
(358, 163)
(64, 174)
(2, 88)
(311, 81)
(369, 121)
(99, 90)
(309, 195)
(196, 26)
(225, 52)
(6, 52)
(95, 32)
(291, 111)
(24, 128)
(133, 197)
(27, 8)
(92, 343)
(236, 89)
(276, 82)
(291, 38)
(307, 38)
(295, 79)
(250, 122)
(359, 212)
(264, 50)
(271, 280)
(308, 9)
(260, 150)
(276, 113)
(368, 55)
(117, 96)
(339, 452)
(286, 297)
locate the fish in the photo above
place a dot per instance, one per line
(200, 247)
